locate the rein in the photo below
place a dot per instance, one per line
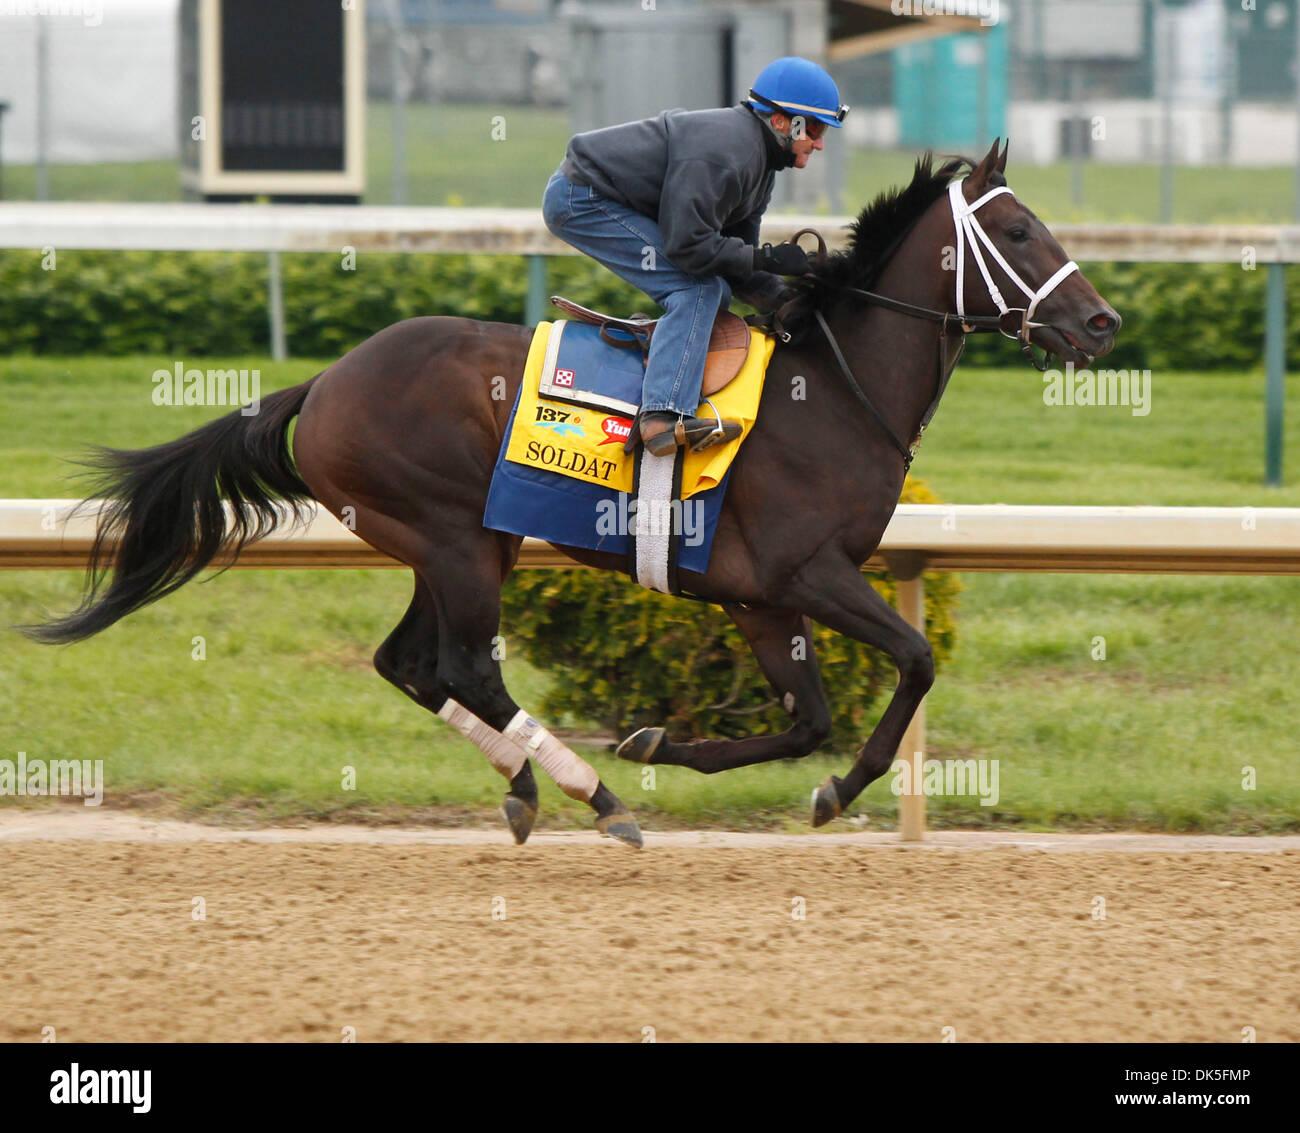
(1012, 322)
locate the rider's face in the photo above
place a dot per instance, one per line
(807, 133)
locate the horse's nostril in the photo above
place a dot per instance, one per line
(1103, 323)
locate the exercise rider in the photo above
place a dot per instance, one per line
(672, 204)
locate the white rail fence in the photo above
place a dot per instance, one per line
(520, 231)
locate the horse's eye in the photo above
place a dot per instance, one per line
(1019, 235)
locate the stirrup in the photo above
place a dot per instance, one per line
(695, 433)
(720, 434)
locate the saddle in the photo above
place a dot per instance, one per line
(728, 342)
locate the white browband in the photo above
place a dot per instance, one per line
(969, 232)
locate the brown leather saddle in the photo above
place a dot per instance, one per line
(728, 343)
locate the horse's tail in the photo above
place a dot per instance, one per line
(166, 511)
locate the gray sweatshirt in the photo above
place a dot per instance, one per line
(704, 175)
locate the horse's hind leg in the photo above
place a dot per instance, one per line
(408, 659)
(783, 646)
(468, 602)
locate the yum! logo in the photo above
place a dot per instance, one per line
(616, 430)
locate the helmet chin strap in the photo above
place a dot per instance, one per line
(785, 141)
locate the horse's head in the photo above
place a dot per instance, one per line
(1003, 242)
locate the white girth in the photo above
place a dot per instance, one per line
(968, 229)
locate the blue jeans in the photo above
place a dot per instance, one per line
(632, 247)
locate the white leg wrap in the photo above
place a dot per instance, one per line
(504, 754)
(572, 774)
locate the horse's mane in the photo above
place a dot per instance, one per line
(880, 228)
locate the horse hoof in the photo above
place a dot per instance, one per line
(621, 826)
(641, 746)
(826, 802)
(520, 816)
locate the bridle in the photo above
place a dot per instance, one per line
(969, 231)
(1012, 322)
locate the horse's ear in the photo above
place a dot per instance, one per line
(984, 170)
(1002, 161)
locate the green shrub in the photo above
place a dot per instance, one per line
(206, 304)
(625, 657)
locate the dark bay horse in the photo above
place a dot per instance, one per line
(401, 435)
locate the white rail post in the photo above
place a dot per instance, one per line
(906, 567)
(911, 806)
(275, 304)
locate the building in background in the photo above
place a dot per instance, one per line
(950, 94)
(1216, 78)
(109, 92)
(610, 61)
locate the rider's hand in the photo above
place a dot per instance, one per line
(783, 259)
(763, 291)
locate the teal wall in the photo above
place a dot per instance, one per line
(937, 91)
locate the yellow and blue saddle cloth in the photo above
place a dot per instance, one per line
(561, 466)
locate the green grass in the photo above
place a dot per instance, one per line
(453, 158)
(1202, 444)
(1198, 680)
(102, 181)
(1158, 733)
(1112, 194)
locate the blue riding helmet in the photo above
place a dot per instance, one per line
(798, 86)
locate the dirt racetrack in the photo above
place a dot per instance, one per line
(459, 935)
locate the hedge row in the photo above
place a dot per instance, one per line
(629, 658)
(1176, 316)
(210, 304)
(206, 304)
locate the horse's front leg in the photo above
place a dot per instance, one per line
(783, 646)
(836, 593)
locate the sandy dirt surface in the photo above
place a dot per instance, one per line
(419, 935)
